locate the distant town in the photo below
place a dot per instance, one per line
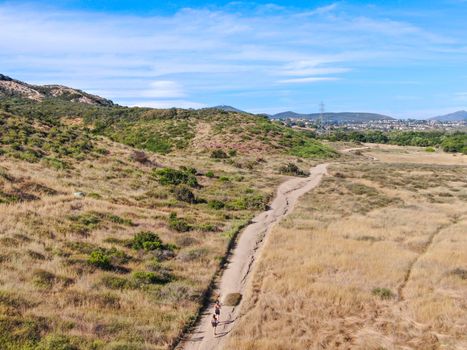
(380, 125)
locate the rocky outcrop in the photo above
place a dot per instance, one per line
(10, 87)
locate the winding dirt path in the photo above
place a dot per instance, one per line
(236, 275)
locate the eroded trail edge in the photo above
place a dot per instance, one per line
(236, 275)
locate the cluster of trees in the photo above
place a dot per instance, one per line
(448, 142)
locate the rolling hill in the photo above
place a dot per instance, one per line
(114, 220)
(456, 116)
(13, 88)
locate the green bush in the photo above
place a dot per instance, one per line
(178, 224)
(383, 293)
(292, 169)
(55, 163)
(107, 259)
(210, 174)
(430, 149)
(148, 240)
(100, 259)
(169, 176)
(216, 204)
(250, 201)
(119, 220)
(141, 278)
(114, 282)
(21, 333)
(89, 220)
(56, 342)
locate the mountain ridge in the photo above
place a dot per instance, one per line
(455, 116)
(10, 87)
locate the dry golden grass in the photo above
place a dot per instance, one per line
(375, 258)
(47, 287)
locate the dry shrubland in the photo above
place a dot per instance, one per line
(73, 275)
(374, 258)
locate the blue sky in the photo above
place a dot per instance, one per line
(402, 58)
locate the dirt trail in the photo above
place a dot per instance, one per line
(427, 246)
(235, 277)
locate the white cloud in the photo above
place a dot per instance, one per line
(164, 89)
(169, 104)
(319, 10)
(306, 80)
(462, 96)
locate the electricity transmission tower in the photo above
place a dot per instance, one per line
(321, 120)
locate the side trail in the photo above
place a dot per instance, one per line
(236, 275)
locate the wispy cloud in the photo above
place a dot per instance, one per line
(319, 10)
(168, 104)
(164, 89)
(200, 56)
(306, 80)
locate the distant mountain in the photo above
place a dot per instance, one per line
(334, 117)
(451, 117)
(10, 87)
(228, 109)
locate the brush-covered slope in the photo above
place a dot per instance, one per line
(165, 131)
(105, 246)
(14, 88)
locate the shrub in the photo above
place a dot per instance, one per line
(90, 220)
(216, 204)
(383, 293)
(210, 174)
(55, 163)
(189, 170)
(250, 201)
(178, 224)
(114, 282)
(148, 240)
(45, 279)
(292, 169)
(141, 278)
(107, 258)
(184, 194)
(430, 149)
(119, 220)
(100, 259)
(169, 176)
(232, 152)
(56, 342)
(219, 154)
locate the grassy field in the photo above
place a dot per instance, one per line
(104, 246)
(374, 258)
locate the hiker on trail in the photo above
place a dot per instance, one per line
(217, 308)
(214, 322)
